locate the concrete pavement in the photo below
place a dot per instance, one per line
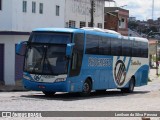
(152, 74)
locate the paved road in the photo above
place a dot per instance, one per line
(145, 98)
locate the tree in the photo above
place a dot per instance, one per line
(153, 28)
(132, 25)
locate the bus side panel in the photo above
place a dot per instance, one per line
(104, 79)
(141, 75)
(139, 68)
(134, 66)
(75, 83)
(99, 69)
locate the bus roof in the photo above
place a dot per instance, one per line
(68, 30)
(109, 33)
(95, 31)
(135, 38)
(140, 39)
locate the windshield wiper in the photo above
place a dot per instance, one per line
(48, 65)
(47, 61)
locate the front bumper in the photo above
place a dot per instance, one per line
(39, 86)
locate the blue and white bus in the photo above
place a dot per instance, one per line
(82, 60)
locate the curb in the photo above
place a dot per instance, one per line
(8, 88)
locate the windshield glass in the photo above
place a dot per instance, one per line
(50, 37)
(46, 53)
(46, 59)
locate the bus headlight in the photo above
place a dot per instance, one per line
(26, 77)
(60, 80)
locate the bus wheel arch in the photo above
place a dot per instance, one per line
(133, 77)
(89, 79)
(131, 86)
(86, 87)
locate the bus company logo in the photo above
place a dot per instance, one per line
(99, 62)
(120, 73)
(37, 77)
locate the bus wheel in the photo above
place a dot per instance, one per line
(87, 87)
(130, 89)
(49, 94)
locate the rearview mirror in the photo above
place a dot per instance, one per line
(69, 49)
(21, 48)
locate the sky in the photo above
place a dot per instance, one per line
(141, 9)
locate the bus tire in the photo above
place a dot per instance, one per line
(130, 89)
(48, 94)
(86, 89)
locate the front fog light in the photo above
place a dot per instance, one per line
(60, 79)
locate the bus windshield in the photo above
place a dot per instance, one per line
(46, 59)
(50, 38)
(46, 53)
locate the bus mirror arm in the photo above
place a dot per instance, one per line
(21, 48)
(69, 49)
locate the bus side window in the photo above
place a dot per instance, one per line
(136, 49)
(104, 46)
(74, 61)
(77, 55)
(116, 47)
(126, 47)
(144, 49)
(92, 45)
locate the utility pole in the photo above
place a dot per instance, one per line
(152, 9)
(92, 10)
(156, 58)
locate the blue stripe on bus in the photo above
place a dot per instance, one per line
(129, 62)
(124, 59)
(118, 57)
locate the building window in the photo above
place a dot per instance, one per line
(99, 25)
(89, 24)
(24, 6)
(33, 7)
(0, 4)
(82, 24)
(122, 23)
(41, 8)
(57, 10)
(66, 25)
(72, 23)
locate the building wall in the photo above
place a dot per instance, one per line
(9, 42)
(117, 19)
(79, 10)
(6, 15)
(111, 22)
(14, 19)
